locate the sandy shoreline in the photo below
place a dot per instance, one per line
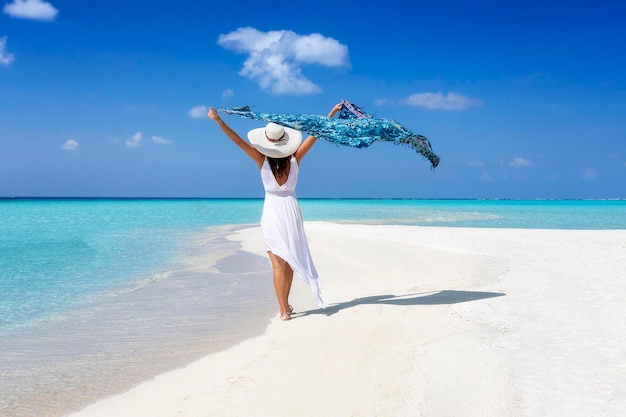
(423, 321)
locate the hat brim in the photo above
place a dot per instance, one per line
(286, 147)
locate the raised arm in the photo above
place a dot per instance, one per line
(232, 135)
(308, 143)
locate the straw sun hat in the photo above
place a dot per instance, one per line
(275, 141)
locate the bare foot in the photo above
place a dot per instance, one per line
(289, 308)
(285, 316)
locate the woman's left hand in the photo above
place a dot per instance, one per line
(213, 114)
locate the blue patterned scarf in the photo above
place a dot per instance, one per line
(352, 128)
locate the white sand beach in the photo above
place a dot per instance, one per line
(423, 321)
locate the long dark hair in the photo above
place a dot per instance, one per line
(280, 166)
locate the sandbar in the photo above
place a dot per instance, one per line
(422, 321)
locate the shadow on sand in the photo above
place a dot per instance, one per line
(427, 298)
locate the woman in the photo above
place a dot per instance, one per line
(277, 151)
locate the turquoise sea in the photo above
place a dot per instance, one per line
(97, 295)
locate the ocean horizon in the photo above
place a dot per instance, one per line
(98, 294)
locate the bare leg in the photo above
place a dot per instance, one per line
(289, 281)
(283, 276)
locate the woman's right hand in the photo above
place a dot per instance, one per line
(335, 109)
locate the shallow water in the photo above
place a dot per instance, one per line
(112, 343)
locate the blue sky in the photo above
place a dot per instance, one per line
(520, 99)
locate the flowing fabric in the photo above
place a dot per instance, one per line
(283, 229)
(352, 128)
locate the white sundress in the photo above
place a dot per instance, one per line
(282, 227)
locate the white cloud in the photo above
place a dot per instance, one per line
(31, 9)
(5, 57)
(198, 112)
(475, 164)
(275, 58)
(228, 93)
(485, 176)
(589, 174)
(439, 101)
(382, 101)
(520, 163)
(70, 145)
(160, 140)
(134, 140)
